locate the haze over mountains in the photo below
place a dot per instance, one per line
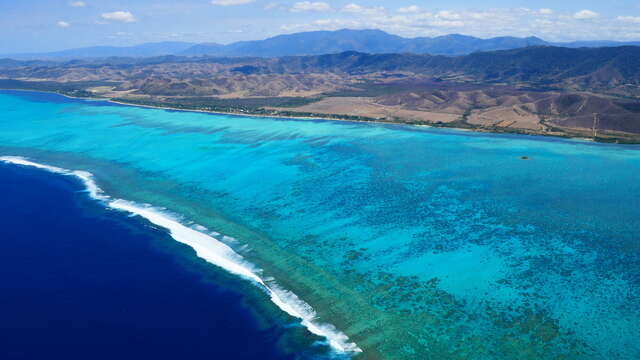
(320, 42)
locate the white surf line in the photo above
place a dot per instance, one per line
(211, 250)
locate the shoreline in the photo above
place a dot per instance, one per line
(239, 113)
(320, 118)
(612, 140)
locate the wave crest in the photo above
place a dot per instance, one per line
(209, 249)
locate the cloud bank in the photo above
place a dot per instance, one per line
(417, 20)
(121, 16)
(317, 6)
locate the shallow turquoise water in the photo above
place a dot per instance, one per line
(481, 253)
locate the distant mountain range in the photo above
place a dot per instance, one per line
(142, 50)
(318, 43)
(367, 41)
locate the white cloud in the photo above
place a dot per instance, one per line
(490, 22)
(363, 10)
(629, 19)
(545, 11)
(479, 15)
(78, 4)
(317, 6)
(230, 2)
(448, 15)
(323, 24)
(409, 9)
(122, 16)
(63, 24)
(586, 14)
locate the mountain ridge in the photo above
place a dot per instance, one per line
(321, 42)
(140, 50)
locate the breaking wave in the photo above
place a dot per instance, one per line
(210, 249)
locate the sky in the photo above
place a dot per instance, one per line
(48, 25)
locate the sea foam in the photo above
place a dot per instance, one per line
(211, 250)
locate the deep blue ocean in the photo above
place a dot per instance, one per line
(78, 281)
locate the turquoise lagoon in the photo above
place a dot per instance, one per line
(415, 242)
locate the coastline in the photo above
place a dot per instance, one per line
(562, 135)
(372, 121)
